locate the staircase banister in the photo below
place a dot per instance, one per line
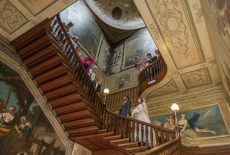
(141, 122)
(106, 119)
(152, 64)
(69, 40)
(152, 74)
(95, 93)
(158, 149)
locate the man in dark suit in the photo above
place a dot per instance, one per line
(125, 110)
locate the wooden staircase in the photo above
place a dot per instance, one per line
(58, 73)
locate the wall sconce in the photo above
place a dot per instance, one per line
(175, 108)
(106, 92)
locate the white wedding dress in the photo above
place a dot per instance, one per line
(141, 113)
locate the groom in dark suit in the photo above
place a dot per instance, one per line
(125, 110)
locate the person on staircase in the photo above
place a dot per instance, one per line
(125, 110)
(87, 63)
(141, 113)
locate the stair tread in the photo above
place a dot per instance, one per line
(131, 143)
(106, 134)
(137, 148)
(112, 137)
(119, 140)
(83, 129)
(75, 116)
(73, 107)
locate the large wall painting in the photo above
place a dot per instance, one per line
(24, 129)
(221, 10)
(84, 27)
(202, 122)
(137, 48)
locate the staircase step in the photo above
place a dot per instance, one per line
(128, 145)
(30, 49)
(45, 66)
(120, 141)
(31, 36)
(137, 149)
(50, 75)
(75, 116)
(60, 92)
(78, 136)
(82, 130)
(79, 123)
(106, 134)
(77, 106)
(102, 131)
(68, 99)
(39, 56)
(109, 138)
(56, 83)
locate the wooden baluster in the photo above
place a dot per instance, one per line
(117, 125)
(147, 135)
(105, 119)
(123, 127)
(162, 137)
(111, 121)
(151, 137)
(129, 129)
(142, 134)
(137, 132)
(157, 137)
(167, 137)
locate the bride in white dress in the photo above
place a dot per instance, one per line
(141, 113)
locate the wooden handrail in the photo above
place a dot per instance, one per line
(171, 147)
(155, 71)
(137, 131)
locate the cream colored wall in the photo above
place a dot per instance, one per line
(112, 81)
(193, 77)
(220, 50)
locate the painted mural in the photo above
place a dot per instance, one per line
(24, 129)
(137, 48)
(202, 122)
(221, 9)
(85, 28)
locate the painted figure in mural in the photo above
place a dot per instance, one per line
(183, 123)
(198, 128)
(8, 117)
(24, 130)
(170, 123)
(222, 9)
(87, 63)
(1, 104)
(141, 114)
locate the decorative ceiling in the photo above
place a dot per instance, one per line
(18, 16)
(179, 31)
(120, 14)
(115, 35)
